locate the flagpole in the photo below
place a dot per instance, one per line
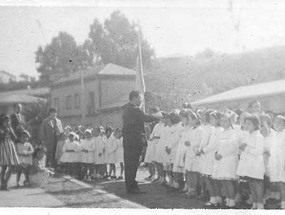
(140, 78)
(83, 118)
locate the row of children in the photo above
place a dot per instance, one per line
(86, 154)
(17, 154)
(214, 151)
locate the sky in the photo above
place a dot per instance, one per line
(181, 27)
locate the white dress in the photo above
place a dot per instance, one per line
(172, 143)
(111, 146)
(70, 157)
(191, 159)
(209, 150)
(87, 157)
(179, 160)
(100, 152)
(225, 168)
(206, 134)
(267, 148)
(160, 151)
(251, 162)
(153, 142)
(276, 161)
(119, 153)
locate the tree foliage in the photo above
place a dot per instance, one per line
(115, 41)
(61, 56)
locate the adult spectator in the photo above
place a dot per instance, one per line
(18, 123)
(50, 130)
(134, 138)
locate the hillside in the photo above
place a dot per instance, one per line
(179, 79)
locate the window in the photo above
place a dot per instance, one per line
(56, 103)
(68, 102)
(91, 103)
(77, 101)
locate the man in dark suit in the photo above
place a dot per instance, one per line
(17, 119)
(134, 138)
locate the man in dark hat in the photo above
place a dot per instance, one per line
(51, 128)
(134, 138)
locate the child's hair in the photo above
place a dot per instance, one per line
(254, 120)
(38, 149)
(119, 130)
(267, 119)
(109, 129)
(252, 103)
(207, 114)
(174, 117)
(186, 105)
(3, 118)
(230, 115)
(281, 117)
(24, 132)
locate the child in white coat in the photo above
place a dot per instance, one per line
(208, 151)
(87, 154)
(251, 164)
(69, 157)
(160, 150)
(207, 131)
(179, 160)
(119, 152)
(174, 136)
(111, 147)
(268, 134)
(192, 154)
(152, 147)
(277, 157)
(226, 159)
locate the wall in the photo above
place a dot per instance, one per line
(112, 89)
(71, 89)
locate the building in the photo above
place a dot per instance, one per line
(270, 94)
(6, 77)
(106, 89)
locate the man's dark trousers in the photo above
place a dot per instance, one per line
(132, 155)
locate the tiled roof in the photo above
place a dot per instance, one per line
(112, 69)
(244, 92)
(21, 98)
(109, 69)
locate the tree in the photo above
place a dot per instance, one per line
(116, 42)
(62, 56)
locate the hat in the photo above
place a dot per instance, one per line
(67, 127)
(88, 131)
(25, 132)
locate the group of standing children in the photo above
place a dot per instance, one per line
(210, 151)
(87, 154)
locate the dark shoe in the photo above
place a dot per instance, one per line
(149, 178)
(136, 191)
(120, 178)
(113, 177)
(4, 188)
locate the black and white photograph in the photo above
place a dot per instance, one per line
(144, 104)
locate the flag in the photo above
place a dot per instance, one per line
(140, 85)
